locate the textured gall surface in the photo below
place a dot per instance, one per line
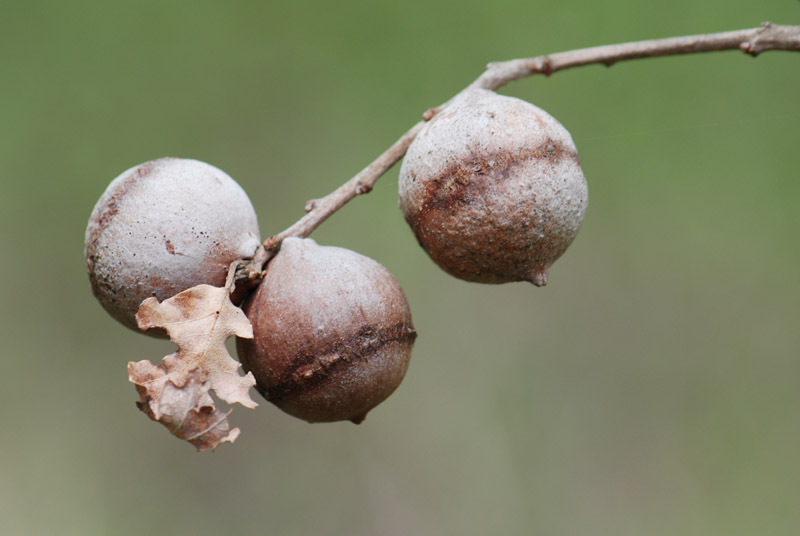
(493, 189)
(332, 333)
(162, 227)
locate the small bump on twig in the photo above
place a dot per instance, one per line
(747, 48)
(271, 243)
(547, 66)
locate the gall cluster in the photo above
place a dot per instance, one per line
(491, 187)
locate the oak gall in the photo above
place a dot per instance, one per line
(332, 333)
(493, 189)
(162, 227)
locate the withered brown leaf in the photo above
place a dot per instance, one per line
(176, 394)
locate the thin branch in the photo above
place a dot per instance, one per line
(318, 210)
(752, 41)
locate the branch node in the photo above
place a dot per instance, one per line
(547, 67)
(363, 189)
(310, 204)
(247, 275)
(428, 114)
(748, 48)
(272, 243)
(541, 65)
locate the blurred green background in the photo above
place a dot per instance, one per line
(650, 388)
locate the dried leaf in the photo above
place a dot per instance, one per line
(183, 412)
(199, 321)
